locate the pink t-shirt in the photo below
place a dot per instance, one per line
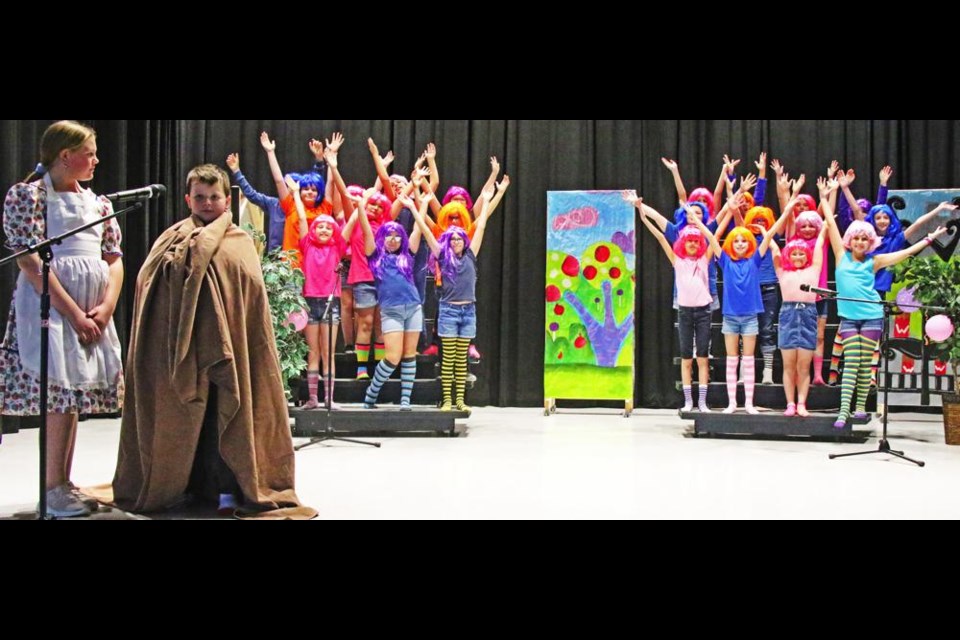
(319, 266)
(359, 267)
(693, 286)
(790, 282)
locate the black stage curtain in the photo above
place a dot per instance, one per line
(539, 155)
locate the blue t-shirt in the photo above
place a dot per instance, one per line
(394, 290)
(462, 286)
(883, 280)
(741, 286)
(768, 275)
(855, 280)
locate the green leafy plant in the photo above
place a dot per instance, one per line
(285, 295)
(937, 283)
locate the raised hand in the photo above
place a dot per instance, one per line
(799, 183)
(630, 195)
(316, 147)
(387, 159)
(669, 164)
(749, 182)
(846, 178)
(503, 184)
(494, 165)
(761, 164)
(777, 168)
(330, 156)
(293, 185)
(431, 151)
(885, 174)
(233, 162)
(732, 164)
(267, 144)
(335, 142)
(832, 169)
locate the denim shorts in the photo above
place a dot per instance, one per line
(364, 295)
(318, 306)
(861, 326)
(741, 325)
(457, 320)
(407, 317)
(694, 326)
(798, 326)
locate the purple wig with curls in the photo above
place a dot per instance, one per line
(403, 256)
(797, 243)
(451, 263)
(455, 191)
(679, 246)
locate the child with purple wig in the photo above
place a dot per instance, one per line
(390, 259)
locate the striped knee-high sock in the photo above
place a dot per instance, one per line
(687, 395)
(874, 364)
(328, 391)
(748, 369)
(835, 356)
(867, 346)
(313, 383)
(767, 362)
(378, 350)
(732, 379)
(447, 365)
(460, 371)
(851, 367)
(408, 371)
(380, 375)
(363, 356)
(702, 401)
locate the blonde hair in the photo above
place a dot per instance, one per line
(209, 174)
(65, 134)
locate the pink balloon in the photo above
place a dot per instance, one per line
(939, 328)
(298, 319)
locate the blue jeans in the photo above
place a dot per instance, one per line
(771, 308)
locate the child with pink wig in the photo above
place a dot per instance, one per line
(690, 256)
(797, 265)
(322, 247)
(861, 319)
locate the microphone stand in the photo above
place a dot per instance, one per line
(885, 352)
(328, 433)
(45, 251)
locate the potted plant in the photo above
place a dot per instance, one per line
(285, 294)
(937, 282)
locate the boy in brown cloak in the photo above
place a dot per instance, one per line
(205, 410)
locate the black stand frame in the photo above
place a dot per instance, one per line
(884, 446)
(329, 432)
(45, 251)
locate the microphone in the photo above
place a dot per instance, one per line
(153, 191)
(822, 292)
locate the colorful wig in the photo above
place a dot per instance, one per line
(451, 263)
(893, 231)
(748, 199)
(447, 210)
(454, 191)
(747, 235)
(764, 213)
(701, 192)
(355, 190)
(809, 217)
(680, 215)
(797, 243)
(679, 245)
(403, 256)
(864, 204)
(313, 228)
(311, 180)
(861, 228)
(808, 199)
(385, 206)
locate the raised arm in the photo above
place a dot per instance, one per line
(769, 236)
(501, 189)
(783, 183)
(368, 242)
(910, 232)
(480, 225)
(677, 182)
(487, 187)
(294, 188)
(270, 146)
(637, 202)
(694, 218)
(836, 241)
(431, 154)
(254, 196)
(818, 249)
(885, 174)
(420, 215)
(333, 162)
(404, 196)
(889, 259)
(381, 167)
